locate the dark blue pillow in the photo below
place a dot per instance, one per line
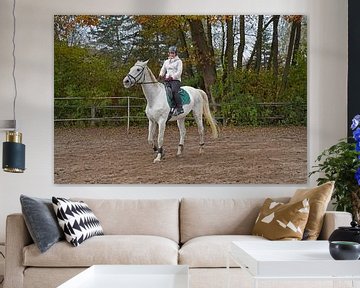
(41, 221)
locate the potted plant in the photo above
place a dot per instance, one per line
(341, 163)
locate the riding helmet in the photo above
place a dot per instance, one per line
(173, 49)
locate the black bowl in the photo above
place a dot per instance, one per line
(344, 250)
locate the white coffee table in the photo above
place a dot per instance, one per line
(300, 260)
(131, 276)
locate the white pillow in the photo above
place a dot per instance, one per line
(77, 220)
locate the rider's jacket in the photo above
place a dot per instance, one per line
(172, 68)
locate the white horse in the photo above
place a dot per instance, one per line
(158, 110)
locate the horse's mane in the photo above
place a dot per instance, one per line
(152, 76)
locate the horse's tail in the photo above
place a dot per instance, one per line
(209, 118)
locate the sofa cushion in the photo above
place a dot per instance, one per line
(159, 217)
(41, 221)
(319, 198)
(279, 221)
(107, 249)
(211, 251)
(77, 220)
(201, 217)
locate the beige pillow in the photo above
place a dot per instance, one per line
(319, 198)
(279, 221)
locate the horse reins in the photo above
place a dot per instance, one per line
(141, 73)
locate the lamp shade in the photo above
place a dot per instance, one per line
(13, 153)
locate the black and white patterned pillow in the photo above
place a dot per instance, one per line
(77, 220)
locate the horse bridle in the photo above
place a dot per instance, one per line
(135, 79)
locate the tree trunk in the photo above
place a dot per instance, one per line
(210, 38)
(257, 46)
(229, 51)
(205, 63)
(273, 61)
(242, 43)
(259, 40)
(288, 57)
(297, 41)
(223, 41)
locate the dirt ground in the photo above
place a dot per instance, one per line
(243, 155)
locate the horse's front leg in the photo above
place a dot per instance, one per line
(160, 154)
(151, 135)
(182, 130)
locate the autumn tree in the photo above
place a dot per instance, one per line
(293, 46)
(229, 50)
(205, 61)
(67, 28)
(273, 63)
(256, 52)
(241, 48)
(117, 36)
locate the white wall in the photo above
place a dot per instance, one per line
(327, 88)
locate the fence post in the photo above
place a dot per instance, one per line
(128, 114)
(93, 115)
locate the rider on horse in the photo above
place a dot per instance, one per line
(172, 70)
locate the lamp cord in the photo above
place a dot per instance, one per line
(14, 61)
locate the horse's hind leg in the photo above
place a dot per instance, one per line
(199, 123)
(182, 130)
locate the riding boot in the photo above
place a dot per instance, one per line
(179, 109)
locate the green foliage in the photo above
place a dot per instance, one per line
(252, 98)
(79, 72)
(192, 81)
(297, 80)
(241, 110)
(86, 74)
(339, 163)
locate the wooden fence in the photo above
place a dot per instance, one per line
(97, 109)
(94, 108)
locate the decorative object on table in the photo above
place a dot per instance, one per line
(344, 250)
(341, 163)
(13, 149)
(344, 233)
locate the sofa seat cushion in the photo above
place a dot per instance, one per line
(207, 217)
(211, 251)
(107, 249)
(158, 217)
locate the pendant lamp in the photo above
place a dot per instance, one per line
(13, 149)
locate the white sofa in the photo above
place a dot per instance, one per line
(190, 231)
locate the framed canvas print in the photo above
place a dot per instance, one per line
(180, 99)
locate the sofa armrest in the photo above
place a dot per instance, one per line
(333, 220)
(17, 237)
